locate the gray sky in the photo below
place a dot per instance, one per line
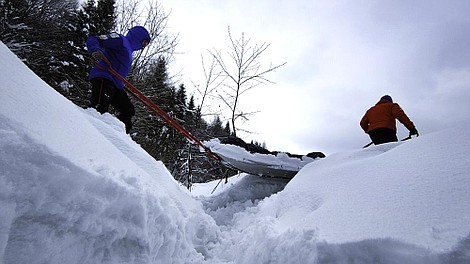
(342, 56)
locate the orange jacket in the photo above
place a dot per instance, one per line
(383, 115)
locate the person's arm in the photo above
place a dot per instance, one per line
(108, 41)
(399, 114)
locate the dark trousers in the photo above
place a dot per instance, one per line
(104, 93)
(382, 135)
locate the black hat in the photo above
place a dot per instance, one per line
(388, 98)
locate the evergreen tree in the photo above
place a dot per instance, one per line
(180, 104)
(49, 36)
(149, 129)
(155, 136)
(181, 145)
(93, 18)
(190, 117)
(37, 32)
(106, 17)
(205, 168)
(216, 129)
(227, 130)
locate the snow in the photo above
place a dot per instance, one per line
(278, 164)
(74, 188)
(409, 188)
(281, 160)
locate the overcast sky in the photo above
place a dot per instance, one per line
(341, 56)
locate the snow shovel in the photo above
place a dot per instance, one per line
(409, 137)
(405, 139)
(157, 110)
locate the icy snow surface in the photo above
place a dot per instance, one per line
(280, 165)
(74, 188)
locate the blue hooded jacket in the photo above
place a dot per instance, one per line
(118, 49)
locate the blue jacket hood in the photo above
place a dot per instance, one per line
(136, 35)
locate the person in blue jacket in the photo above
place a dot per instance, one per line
(107, 89)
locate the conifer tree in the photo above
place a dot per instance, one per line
(155, 136)
(36, 31)
(92, 18)
(106, 16)
(148, 128)
(227, 129)
(181, 104)
(190, 117)
(216, 129)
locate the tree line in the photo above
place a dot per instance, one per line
(49, 37)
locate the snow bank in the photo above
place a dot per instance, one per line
(406, 202)
(75, 189)
(415, 191)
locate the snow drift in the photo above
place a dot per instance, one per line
(74, 188)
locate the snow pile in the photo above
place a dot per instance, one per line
(404, 202)
(74, 188)
(419, 189)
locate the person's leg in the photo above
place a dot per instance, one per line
(391, 136)
(382, 135)
(102, 92)
(126, 109)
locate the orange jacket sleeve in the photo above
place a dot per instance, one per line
(399, 114)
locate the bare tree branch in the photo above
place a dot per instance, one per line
(151, 15)
(212, 81)
(241, 70)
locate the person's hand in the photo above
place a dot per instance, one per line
(413, 131)
(97, 55)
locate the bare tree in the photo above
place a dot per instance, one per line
(151, 15)
(241, 69)
(212, 81)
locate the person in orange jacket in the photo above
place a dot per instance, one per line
(379, 121)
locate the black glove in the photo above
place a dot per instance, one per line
(97, 55)
(413, 131)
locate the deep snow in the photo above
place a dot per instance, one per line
(74, 188)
